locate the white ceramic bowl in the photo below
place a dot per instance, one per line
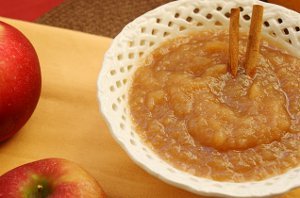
(146, 33)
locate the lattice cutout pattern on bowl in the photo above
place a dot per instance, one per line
(146, 33)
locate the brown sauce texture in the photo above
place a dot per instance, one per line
(195, 115)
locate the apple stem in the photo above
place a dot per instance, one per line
(39, 191)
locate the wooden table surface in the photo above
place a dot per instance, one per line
(291, 4)
(67, 122)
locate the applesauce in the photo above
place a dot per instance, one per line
(195, 115)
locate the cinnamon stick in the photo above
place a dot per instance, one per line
(234, 40)
(254, 38)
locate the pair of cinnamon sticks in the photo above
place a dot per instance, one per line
(253, 44)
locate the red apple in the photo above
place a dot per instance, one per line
(53, 177)
(20, 80)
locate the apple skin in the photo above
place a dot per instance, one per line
(59, 178)
(20, 80)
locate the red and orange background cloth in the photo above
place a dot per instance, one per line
(27, 10)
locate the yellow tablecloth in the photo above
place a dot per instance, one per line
(67, 122)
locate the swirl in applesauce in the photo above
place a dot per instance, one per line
(196, 116)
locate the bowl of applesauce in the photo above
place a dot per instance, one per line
(173, 106)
